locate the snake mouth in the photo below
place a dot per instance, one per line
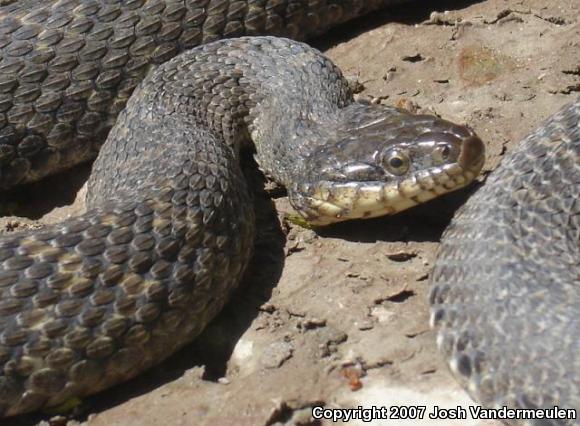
(329, 202)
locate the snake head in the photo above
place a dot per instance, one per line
(385, 160)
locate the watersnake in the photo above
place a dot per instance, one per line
(505, 286)
(95, 300)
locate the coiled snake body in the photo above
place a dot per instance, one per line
(97, 299)
(505, 292)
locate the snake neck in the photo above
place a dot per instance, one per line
(281, 93)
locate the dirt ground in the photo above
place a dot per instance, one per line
(339, 317)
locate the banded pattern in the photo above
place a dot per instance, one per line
(68, 67)
(95, 300)
(505, 286)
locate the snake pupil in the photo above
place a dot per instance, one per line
(396, 162)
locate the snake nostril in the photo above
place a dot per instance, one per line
(472, 152)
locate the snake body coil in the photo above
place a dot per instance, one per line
(69, 66)
(506, 283)
(96, 299)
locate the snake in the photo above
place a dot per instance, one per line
(172, 101)
(504, 292)
(168, 95)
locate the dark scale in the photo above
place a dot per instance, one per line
(96, 299)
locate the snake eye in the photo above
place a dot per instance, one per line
(441, 153)
(396, 162)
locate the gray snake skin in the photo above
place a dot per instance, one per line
(97, 299)
(69, 66)
(505, 286)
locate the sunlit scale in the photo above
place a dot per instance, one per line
(410, 187)
(426, 180)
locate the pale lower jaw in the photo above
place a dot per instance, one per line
(333, 202)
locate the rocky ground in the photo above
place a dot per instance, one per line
(339, 317)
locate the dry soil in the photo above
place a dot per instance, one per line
(339, 317)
